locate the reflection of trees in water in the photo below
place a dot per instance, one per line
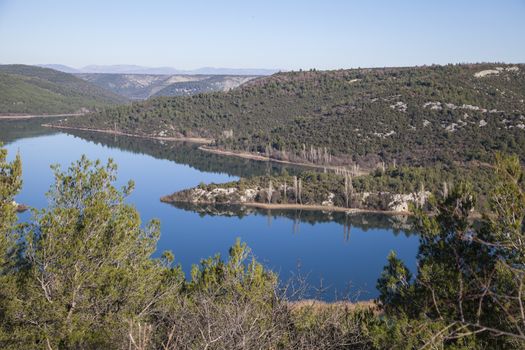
(12, 130)
(363, 221)
(187, 153)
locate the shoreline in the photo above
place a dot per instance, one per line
(293, 206)
(318, 207)
(257, 157)
(34, 116)
(199, 140)
(205, 141)
(319, 304)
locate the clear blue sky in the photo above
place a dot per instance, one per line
(286, 34)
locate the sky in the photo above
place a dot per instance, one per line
(274, 34)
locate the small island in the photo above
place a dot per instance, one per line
(308, 191)
(393, 190)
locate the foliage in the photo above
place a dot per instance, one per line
(85, 278)
(394, 283)
(470, 274)
(10, 184)
(82, 276)
(380, 185)
(86, 268)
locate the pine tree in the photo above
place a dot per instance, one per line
(10, 185)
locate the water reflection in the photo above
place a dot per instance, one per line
(398, 224)
(12, 130)
(187, 153)
(178, 152)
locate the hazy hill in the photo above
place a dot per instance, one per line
(134, 69)
(143, 86)
(414, 115)
(29, 89)
(60, 68)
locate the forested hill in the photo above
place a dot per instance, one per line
(415, 115)
(34, 90)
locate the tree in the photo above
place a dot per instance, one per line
(88, 274)
(394, 284)
(10, 184)
(348, 188)
(471, 274)
(270, 192)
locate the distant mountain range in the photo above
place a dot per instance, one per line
(133, 69)
(143, 86)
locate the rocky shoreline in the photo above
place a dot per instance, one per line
(258, 197)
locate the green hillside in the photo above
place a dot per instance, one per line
(34, 90)
(415, 116)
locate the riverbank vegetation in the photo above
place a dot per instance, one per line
(384, 189)
(81, 274)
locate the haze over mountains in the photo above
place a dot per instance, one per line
(139, 82)
(60, 89)
(134, 69)
(143, 86)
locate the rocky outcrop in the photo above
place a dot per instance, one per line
(497, 71)
(20, 207)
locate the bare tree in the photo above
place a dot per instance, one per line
(270, 192)
(295, 188)
(268, 151)
(349, 188)
(300, 189)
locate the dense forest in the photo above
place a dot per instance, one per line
(34, 90)
(81, 274)
(410, 116)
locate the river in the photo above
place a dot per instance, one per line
(339, 255)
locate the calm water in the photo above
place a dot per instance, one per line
(333, 250)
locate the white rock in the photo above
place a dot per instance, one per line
(330, 201)
(399, 106)
(452, 127)
(487, 72)
(433, 105)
